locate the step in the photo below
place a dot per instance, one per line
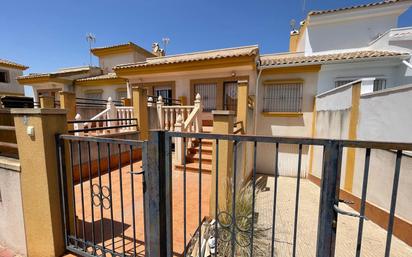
(205, 149)
(206, 158)
(194, 167)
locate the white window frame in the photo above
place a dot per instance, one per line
(351, 79)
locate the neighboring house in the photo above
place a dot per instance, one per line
(89, 82)
(9, 71)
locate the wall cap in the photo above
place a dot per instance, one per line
(10, 163)
(36, 111)
(244, 81)
(222, 112)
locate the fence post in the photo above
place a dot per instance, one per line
(68, 102)
(198, 105)
(159, 106)
(157, 195)
(46, 101)
(330, 183)
(179, 147)
(78, 126)
(140, 111)
(222, 124)
(40, 190)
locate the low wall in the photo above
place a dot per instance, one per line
(104, 160)
(383, 116)
(12, 233)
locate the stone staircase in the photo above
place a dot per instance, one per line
(193, 155)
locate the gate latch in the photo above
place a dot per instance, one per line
(136, 172)
(343, 212)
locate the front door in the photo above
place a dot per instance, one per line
(230, 96)
(166, 94)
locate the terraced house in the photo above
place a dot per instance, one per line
(345, 81)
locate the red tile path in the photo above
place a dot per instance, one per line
(125, 232)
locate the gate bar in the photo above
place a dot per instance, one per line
(328, 218)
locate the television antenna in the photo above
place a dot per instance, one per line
(91, 39)
(165, 42)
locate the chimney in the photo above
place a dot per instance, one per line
(293, 41)
(156, 50)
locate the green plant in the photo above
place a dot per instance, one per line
(243, 225)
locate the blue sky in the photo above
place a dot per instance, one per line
(47, 35)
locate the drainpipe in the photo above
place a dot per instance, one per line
(257, 95)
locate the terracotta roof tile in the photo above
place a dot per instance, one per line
(100, 77)
(300, 59)
(385, 2)
(8, 63)
(195, 56)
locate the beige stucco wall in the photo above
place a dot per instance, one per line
(108, 90)
(107, 62)
(12, 87)
(11, 209)
(182, 80)
(299, 126)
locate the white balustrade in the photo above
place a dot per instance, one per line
(111, 112)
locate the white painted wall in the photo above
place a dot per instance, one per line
(389, 69)
(347, 33)
(12, 234)
(12, 87)
(285, 127)
(386, 115)
(383, 116)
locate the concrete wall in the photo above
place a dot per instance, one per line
(12, 87)
(11, 211)
(298, 126)
(383, 116)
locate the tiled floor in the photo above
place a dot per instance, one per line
(125, 232)
(373, 239)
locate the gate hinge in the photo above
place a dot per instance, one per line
(343, 212)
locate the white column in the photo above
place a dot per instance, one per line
(129, 90)
(36, 97)
(367, 85)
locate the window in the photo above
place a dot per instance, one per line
(4, 77)
(94, 95)
(230, 96)
(378, 84)
(207, 92)
(120, 94)
(283, 97)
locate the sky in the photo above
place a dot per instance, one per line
(47, 35)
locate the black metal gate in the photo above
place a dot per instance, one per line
(117, 206)
(103, 195)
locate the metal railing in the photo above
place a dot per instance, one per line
(98, 184)
(167, 100)
(228, 229)
(329, 198)
(92, 102)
